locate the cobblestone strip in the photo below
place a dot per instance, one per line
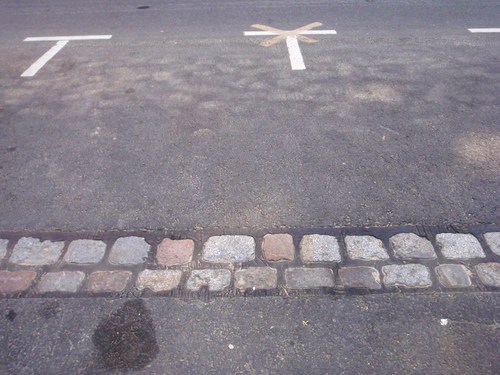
(234, 264)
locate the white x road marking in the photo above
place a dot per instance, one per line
(61, 42)
(292, 38)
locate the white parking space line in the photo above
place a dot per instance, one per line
(291, 38)
(38, 64)
(56, 38)
(61, 42)
(485, 30)
(296, 59)
(307, 32)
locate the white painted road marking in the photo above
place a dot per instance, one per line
(61, 42)
(38, 64)
(291, 37)
(485, 30)
(56, 38)
(296, 59)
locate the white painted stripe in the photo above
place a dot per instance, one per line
(271, 33)
(486, 30)
(296, 59)
(75, 37)
(38, 64)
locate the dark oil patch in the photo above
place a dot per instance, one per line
(143, 7)
(126, 340)
(50, 309)
(11, 315)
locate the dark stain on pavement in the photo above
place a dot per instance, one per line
(11, 315)
(126, 340)
(50, 309)
(143, 7)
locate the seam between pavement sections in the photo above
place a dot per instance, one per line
(202, 264)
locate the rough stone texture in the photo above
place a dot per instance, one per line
(411, 246)
(216, 280)
(309, 278)
(15, 282)
(159, 280)
(493, 241)
(278, 247)
(453, 276)
(319, 248)
(3, 248)
(360, 277)
(459, 246)
(64, 281)
(489, 274)
(108, 281)
(175, 252)
(85, 252)
(256, 278)
(229, 249)
(407, 276)
(32, 252)
(365, 248)
(128, 251)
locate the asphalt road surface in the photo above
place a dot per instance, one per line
(416, 334)
(181, 121)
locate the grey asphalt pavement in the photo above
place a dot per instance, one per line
(382, 334)
(180, 121)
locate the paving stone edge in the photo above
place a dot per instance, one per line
(134, 263)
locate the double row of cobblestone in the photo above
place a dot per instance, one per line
(225, 263)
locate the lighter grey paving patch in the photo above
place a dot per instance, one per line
(215, 280)
(459, 246)
(229, 249)
(85, 252)
(319, 248)
(159, 280)
(129, 251)
(411, 246)
(65, 281)
(33, 252)
(365, 248)
(493, 241)
(3, 248)
(407, 276)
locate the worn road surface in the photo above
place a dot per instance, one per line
(383, 334)
(180, 121)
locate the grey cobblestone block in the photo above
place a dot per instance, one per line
(493, 241)
(16, 281)
(278, 247)
(229, 249)
(319, 248)
(85, 252)
(489, 274)
(360, 277)
(3, 248)
(309, 278)
(453, 276)
(129, 251)
(32, 252)
(411, 246)
(407, 276)
(159, 280)
(216, 280)
(365, 248)
(64, 281)
(108, 281)
(256, 278)
(459, 246)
